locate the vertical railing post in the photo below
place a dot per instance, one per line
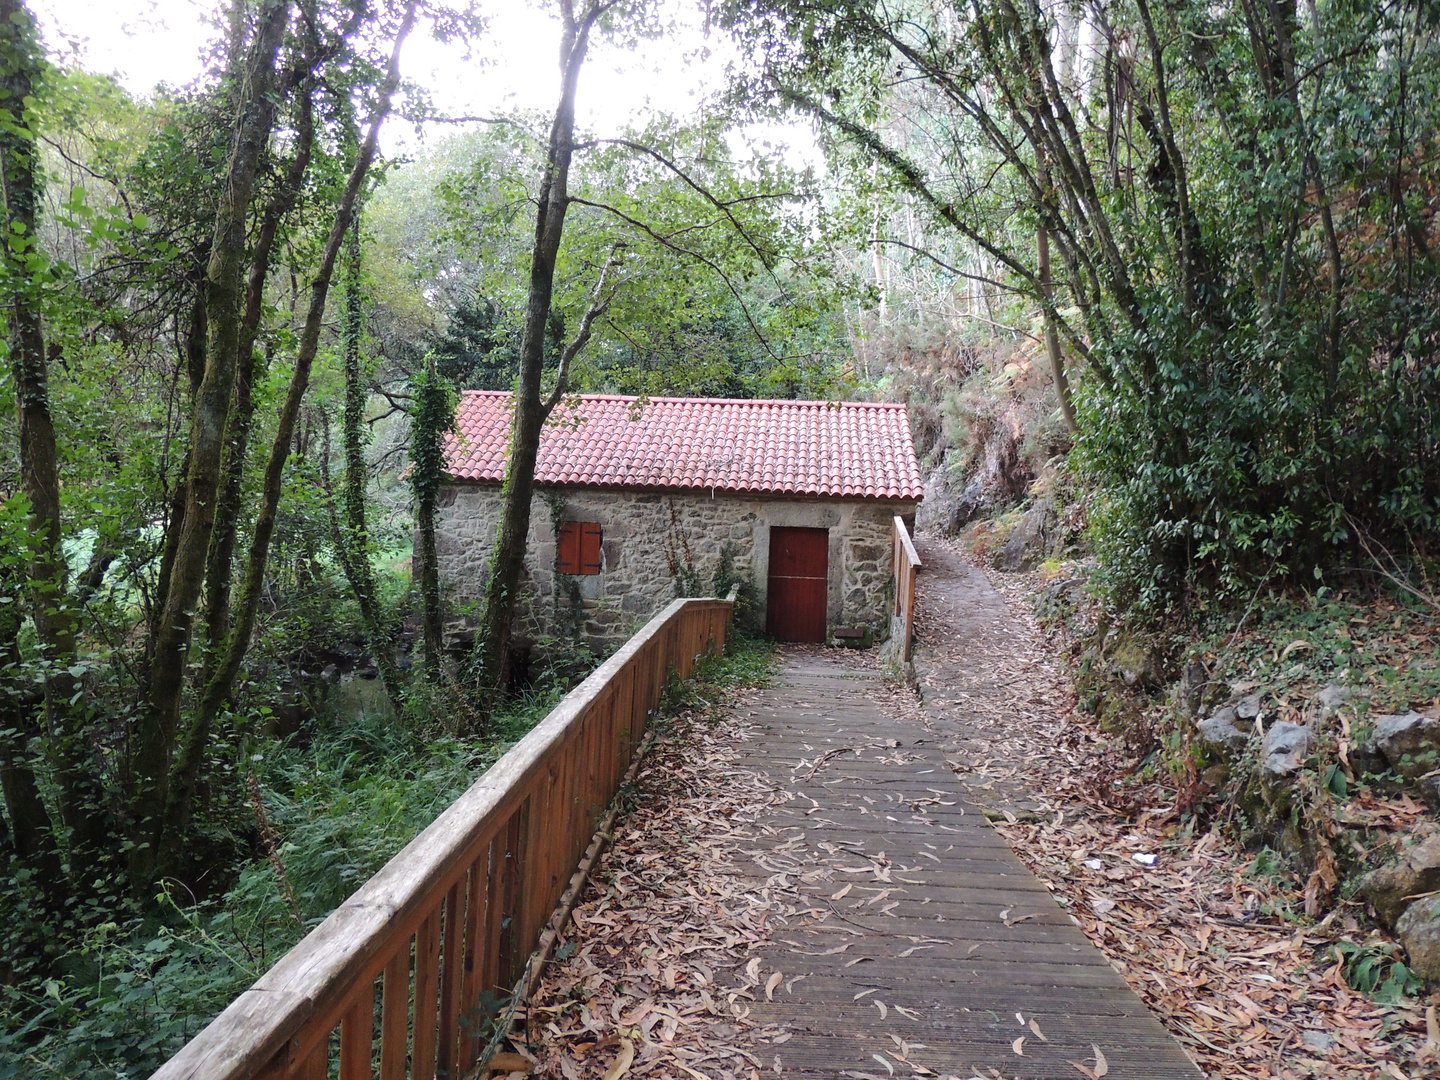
(395, 1015)
(513, 887)
(427, 986)
(905, 569)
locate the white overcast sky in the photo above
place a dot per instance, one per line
(145, 42)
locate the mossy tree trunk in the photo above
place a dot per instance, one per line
(26, 274)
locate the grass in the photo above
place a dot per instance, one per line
(746, 662)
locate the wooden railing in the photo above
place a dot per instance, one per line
(435, 942)
(906, 564)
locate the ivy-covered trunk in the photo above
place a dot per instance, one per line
(25, 275)
(352, 535)
(190, 750)
(432, 415)
(219, 565)
(32, 838)
(153, 742)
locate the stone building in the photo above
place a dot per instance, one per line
(642, 500)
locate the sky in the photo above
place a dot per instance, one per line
(145, 42)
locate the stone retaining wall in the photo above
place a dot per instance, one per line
(657, 546)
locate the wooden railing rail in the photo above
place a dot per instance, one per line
(433, 943)
(906, 565)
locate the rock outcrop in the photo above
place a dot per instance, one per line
(1414, 870)
(1419, 931)
(948, 508)
(1035, 539)
(1409, 743)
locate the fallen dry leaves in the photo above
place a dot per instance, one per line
(658, 968)
(1216, 950)
(655, 979)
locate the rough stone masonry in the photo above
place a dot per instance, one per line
(660, 545)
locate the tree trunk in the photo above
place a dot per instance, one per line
(51, 607)
(32, 832)
(227, 523)
(1052, 336)
(352, 538)
(357, 469)
(196, 332)
(432, 416)
(180, 785)
(508, 560)
(154, 741)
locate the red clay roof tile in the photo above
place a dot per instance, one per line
(848, 449)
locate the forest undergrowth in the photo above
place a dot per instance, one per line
(330, 806)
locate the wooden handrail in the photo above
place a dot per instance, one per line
(905, 568)
(447, 926)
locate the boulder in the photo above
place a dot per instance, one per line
(1408, 742)
(1367, 759)
(1414, 870)
(1332, 698)
(1248, 708)
(1419, 931)
(1284, 750)
(1193, 681)
(1136, 664)
(1228, 714)
(1429, 788)
(1036, 538)
(1216, 777)
(1220, 734)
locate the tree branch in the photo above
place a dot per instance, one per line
(600, 299)
(679, 249)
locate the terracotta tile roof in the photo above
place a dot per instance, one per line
(847, 449)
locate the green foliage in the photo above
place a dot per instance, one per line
(729, 293)
(433, 417)
(1245, 269)
(1243, 462)
(747, 661)
(475, 353)
(138, 982)
(1295, 641)
(1375, 969)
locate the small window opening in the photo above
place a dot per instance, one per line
(577, 548)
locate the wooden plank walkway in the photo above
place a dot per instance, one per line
(920, 936)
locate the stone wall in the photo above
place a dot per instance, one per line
(657, 546)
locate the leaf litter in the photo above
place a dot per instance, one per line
(655, 981)
(1215, 949)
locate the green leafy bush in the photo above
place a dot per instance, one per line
(1375, 969)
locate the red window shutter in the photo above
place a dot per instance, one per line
(567, 548)
(589, 548)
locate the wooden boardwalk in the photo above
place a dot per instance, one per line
(927, 942)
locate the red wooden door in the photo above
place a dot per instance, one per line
(799, 564)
